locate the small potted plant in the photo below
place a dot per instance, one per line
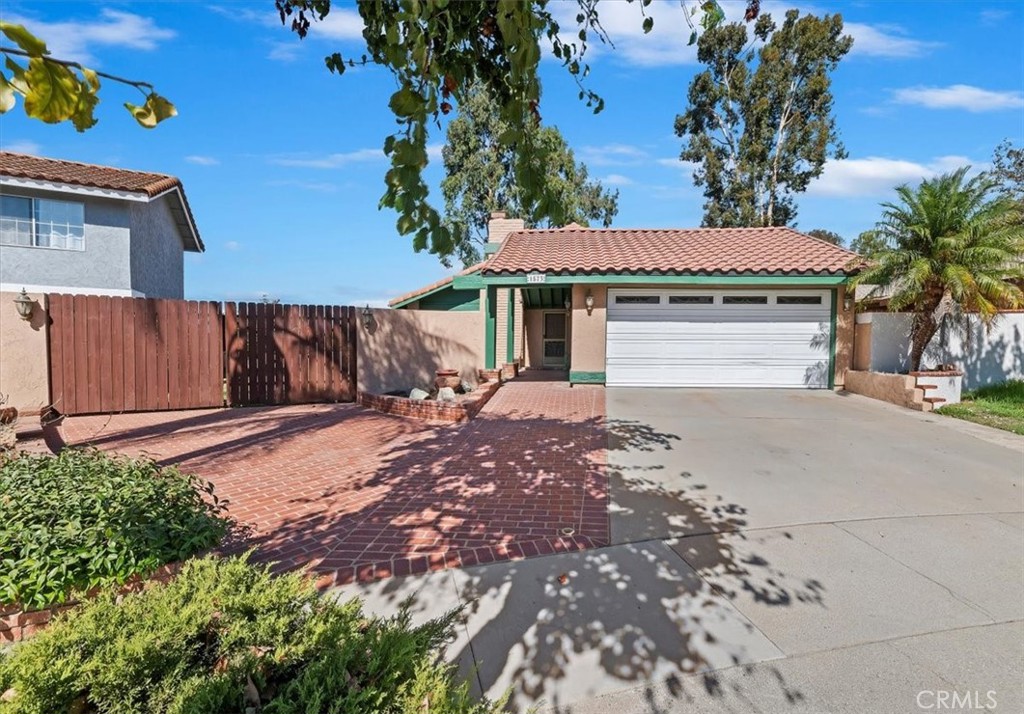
(447, 378)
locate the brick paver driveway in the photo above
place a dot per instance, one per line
(353, 494)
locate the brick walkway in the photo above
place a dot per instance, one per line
(353, 494)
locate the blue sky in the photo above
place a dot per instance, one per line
(282, 165)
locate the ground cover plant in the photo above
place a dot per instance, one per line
(226, 636)
(998, 405)
(85, 519)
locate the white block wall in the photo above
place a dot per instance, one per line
(985, 355)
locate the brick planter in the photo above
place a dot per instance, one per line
(428, 409)
(489, 375)
(922, 391)
(17, 624)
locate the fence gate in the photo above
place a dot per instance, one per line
(113, 354)
(289, 354)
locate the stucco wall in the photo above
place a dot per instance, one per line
(985, 355)
(845, 330)
(403, 348)
(157, 257)
(105, 263)
(587, 351)
(24, 369)
(862, 345)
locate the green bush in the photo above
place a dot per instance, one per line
(85, 519)
(227, 637)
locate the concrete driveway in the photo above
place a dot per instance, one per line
(772, 551)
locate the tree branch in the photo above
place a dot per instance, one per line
(68, 63)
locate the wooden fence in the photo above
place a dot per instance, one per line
(290, 354)
(113, 354)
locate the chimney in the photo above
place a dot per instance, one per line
(499, 226)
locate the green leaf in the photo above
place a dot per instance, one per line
(87, 100)
(648, 24)
(53, 91)
(155, 110)
(406, 102)
(6, 95)
(23, 39)
(693, 38)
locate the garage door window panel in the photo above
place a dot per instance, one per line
(691, 299)
(745, 300)
(798, 300)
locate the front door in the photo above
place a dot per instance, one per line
(554, 339)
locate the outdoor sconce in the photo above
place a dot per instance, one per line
(24, 304)
(568, 304)
(367, 317)
(848, 301)
(589, 302)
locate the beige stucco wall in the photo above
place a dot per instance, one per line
(24, 368)
(845, 333)
(403, 348)
(862, 346)
(587, 337)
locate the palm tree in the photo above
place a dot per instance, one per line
(953, 246)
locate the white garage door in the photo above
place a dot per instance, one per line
(718, 338)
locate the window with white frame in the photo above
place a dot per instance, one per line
(42, 223)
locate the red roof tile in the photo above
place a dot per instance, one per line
(75, 173)
(78, 174)
(574, 249)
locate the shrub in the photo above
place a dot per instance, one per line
(85, 519)
(227, 637)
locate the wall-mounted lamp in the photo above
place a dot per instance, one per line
(848, 301)
(589, 302)
(568, 304)
(24, 305)
(367, 316)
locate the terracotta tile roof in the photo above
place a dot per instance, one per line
(574, 249)
(38, 168)
(78, 174)
(433, 286)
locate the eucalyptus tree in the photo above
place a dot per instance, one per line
(759, 122)
(480, 178)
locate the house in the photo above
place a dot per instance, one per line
(68, 227)
(734, 307)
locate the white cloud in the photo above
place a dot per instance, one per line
(233, 245)
(878, 176)
(318, 186)
(340, 24)
(284, 51)
(331, 161)
(667, 43)
(202, 160)
(434, 151)
(960, 96)
(76, 40)
(993, 16)
(617, 180)
(21, 146)
(886, 41)
(612, 155)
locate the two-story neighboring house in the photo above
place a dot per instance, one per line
(69, 227)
